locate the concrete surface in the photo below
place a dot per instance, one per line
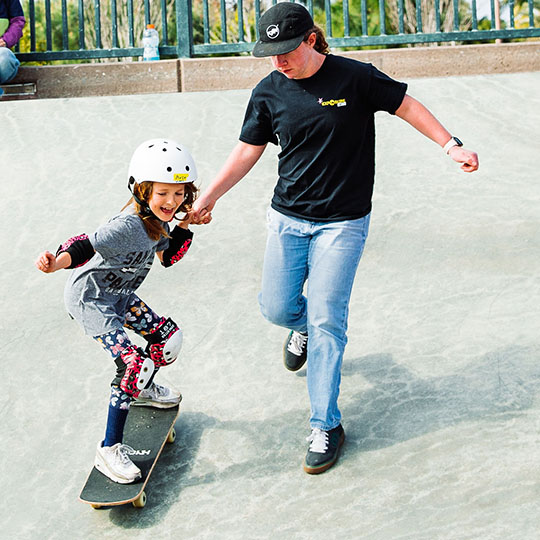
(233, 73)
(441, 378)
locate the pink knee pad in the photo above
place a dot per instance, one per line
(164, 343)
(139, 371)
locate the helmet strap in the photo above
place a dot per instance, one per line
(145, 208)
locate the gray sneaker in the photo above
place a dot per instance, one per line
(114, 462)
(158, 396)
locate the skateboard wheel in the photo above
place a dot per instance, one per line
(96, 506)
(140, 501)
(172, 436)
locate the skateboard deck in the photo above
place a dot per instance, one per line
(147, 430)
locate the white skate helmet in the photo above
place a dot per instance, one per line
(161, 160)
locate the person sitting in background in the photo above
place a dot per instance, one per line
(12, 22)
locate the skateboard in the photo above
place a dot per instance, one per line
(147, 430)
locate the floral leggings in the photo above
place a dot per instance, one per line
(142, 320)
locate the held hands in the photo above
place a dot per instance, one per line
(467, 158)
(194, 219)
(201, 220)
(202, 209)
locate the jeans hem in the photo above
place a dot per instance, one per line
(322, 428)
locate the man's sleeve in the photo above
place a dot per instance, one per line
(257, 126)
(385, 93)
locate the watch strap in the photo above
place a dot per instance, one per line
(454, 141)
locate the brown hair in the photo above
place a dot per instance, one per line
(152, 224)
(321, 46)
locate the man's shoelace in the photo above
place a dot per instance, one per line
(318, 440)
(297, 343)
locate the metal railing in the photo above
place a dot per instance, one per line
(83, 30)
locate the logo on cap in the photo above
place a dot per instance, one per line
(272, 31)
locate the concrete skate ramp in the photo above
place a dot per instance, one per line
(440, 391)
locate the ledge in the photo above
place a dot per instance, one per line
(230, 73)
(103, 79)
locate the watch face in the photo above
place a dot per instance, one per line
(458, 142)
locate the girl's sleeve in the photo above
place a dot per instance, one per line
(112, 238)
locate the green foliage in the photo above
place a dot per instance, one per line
(56, 34)
(355, 18)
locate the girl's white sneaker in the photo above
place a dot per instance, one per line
(158, 396)
(115, 463)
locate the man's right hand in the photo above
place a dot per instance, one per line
(201, 207)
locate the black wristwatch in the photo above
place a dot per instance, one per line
(454, 141)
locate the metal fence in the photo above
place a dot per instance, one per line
(83, 30)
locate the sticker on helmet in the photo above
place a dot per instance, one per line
(180, 177)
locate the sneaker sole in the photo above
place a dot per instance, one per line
(325, 466)
(101, 466)
(293, 369)
(155, 404)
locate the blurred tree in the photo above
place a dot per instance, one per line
(521, 13)
(56, 35)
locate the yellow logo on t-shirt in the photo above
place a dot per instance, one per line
(333, 102)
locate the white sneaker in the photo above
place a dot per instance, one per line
(158, 396)
(114, 462)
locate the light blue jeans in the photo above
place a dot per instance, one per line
(9, 65)
(326, 256)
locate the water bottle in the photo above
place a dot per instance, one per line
(150, 43)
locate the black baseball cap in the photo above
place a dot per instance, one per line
(282, 29)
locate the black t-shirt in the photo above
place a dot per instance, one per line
(325, 126)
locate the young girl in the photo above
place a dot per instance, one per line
(109, 266)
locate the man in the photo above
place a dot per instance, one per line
(320, 109)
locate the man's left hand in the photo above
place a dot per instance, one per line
(467, 158)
